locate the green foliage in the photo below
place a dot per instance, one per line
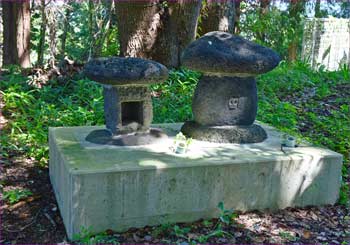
(86, 236)
(181, 232)
(275, 28)
(288, 236)
(294, 99)
(15, 195)
(31, 111)
(173, 99)
(226, 215)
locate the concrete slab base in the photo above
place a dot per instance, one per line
(118, 187)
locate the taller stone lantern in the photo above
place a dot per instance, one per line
(225, 100)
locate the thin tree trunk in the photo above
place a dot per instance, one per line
(16, 21)
(1, 36)
(103, 28)
(295, 9)
(157, 30)
(52, 36)
(41, 46)
(237, 17)
(263, 10)
(318, 9)
(217, 16)
(91, 26)
(65, 30)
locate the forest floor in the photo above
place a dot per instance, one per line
(35, 218)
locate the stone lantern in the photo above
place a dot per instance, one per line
(127, 99)
(225, 100)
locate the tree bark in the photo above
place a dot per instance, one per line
(263, 10)
(318, 9)
(296, 7)
(217, 16)
(157, 29)
(16, 21)
(237, 16)
(65, 30)
(41, 46)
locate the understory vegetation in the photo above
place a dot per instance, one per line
(312, 105)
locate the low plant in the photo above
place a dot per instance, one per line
(86, 236)
(226, 216)
(15, 195)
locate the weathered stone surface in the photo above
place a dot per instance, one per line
(105, 137)
(225, 101)
(222, 53)
(121, 71)
(117, 120)
(224, 134)
(111, 187)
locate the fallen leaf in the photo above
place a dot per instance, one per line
(306, 234)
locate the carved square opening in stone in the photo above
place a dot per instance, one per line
(132, 112)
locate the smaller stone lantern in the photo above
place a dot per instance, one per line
(127, 99)
(225, 101)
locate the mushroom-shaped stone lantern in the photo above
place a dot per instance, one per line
(225, 100)
(127, 99)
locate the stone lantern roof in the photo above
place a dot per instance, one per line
(125, 71)
(224, 54)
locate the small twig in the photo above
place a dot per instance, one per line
(50, 219)
(26, 226)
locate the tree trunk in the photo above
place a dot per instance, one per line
(1, 36)
(157, 30)
(296, 8)
(52, 24)
(318, 9)
(237, 16)
(16, 21)
(65, 30)
(41, 46)
(91, 9)
(103, 28)
(263, 10)
(217, 16)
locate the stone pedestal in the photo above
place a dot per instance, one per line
(113, 187)
(225, 101)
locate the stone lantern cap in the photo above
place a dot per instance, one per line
(221, 53)
(125, 71)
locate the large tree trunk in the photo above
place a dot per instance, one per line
(217, 16)
(16, 21)
(296, 7)
(41, 46)
(157, 30)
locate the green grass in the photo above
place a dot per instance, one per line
(293, 98)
